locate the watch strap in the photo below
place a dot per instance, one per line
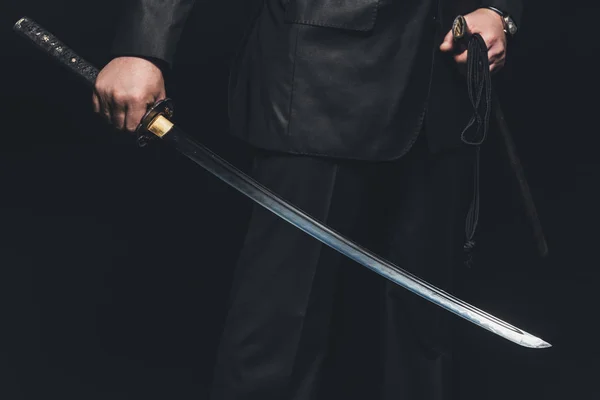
(510, 28)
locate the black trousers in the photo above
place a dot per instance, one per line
(307, 323)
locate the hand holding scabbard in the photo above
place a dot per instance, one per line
(461, 35)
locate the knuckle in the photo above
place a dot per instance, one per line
(98, 85)
(129, 98)
(120, 97)
(102, 89)
(137, 98)
(131, 128)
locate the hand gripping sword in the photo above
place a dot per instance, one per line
(157, 124)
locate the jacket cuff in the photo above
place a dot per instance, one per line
(151, 30)
(514, 8)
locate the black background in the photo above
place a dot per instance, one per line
(115, 262)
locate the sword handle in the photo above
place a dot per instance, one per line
(460, 30)
(56, 49)
(47, 42)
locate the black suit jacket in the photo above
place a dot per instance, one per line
(342, 78)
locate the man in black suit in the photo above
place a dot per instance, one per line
(356, 109)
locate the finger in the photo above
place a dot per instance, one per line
(489, 42)
(493, 68)
(448, 43)
(462, 57)
(103, 107)
(118, 119)
(105, 111)
(95, 103)
(497, 66)
(497, 61)
(134, 116)
(496, 56)
(496, 47)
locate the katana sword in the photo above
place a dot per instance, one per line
(157, 124)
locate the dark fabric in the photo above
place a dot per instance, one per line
(306, 323)
(349, 78)
(151, 28)
(357, 80)
(336, 85)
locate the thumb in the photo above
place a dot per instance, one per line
(448, 43)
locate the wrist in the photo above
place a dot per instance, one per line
(510, 28)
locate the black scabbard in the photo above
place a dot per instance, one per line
(517, 167)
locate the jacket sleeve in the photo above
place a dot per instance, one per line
(514, 8)
(151, 29)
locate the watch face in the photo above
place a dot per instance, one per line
(511, 26)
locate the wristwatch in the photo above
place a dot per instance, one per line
(510, 28)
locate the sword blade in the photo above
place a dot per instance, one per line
(161, 127)
(238, 180)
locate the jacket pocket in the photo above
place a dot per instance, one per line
(357, 15)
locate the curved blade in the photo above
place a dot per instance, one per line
(261, 195)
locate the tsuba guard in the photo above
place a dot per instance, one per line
(162, 107)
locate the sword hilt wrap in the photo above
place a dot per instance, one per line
(156, 122)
